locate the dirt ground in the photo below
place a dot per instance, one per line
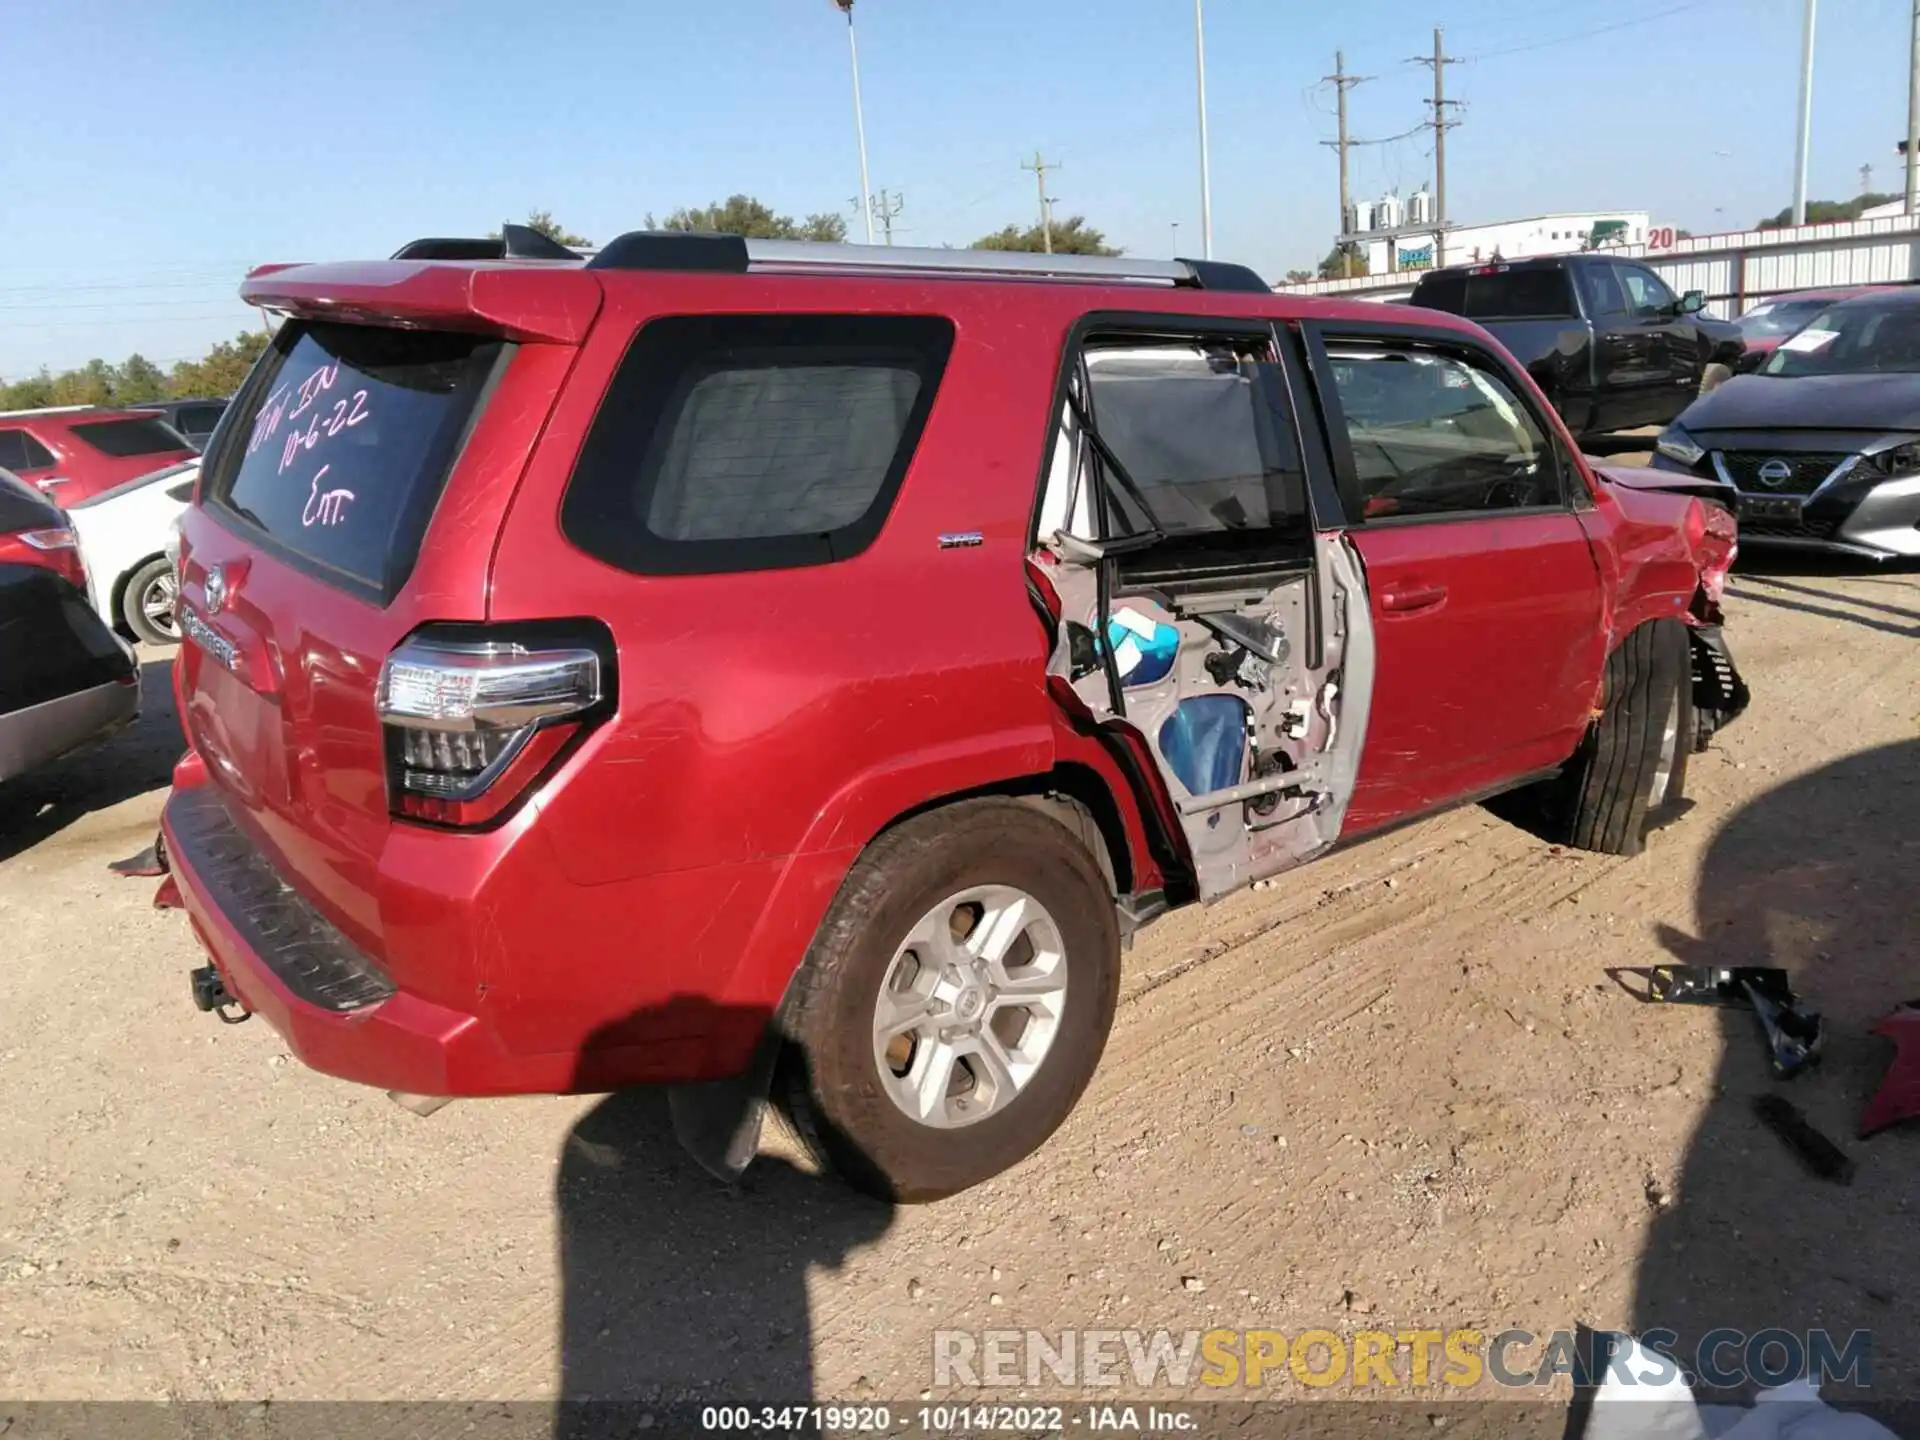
(1395, 1090)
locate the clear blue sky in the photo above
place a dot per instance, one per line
(151, 153)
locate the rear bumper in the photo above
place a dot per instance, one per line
(341, 1014)
(336, 1011)
(46, 731)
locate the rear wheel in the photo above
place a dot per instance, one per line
(955, 1002)
(148, 600)
(1631, 770)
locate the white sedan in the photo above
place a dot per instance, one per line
(125, 534)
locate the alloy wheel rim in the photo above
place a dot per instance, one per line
(157, 600)
(970, 1006)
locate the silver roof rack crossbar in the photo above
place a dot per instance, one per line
(730, 254)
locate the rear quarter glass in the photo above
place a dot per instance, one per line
(345, 444)
(749, 442)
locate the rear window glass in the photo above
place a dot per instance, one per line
(1518, 295)
(1539, 293)
(739, 442)
(347, 442)
(124, 438)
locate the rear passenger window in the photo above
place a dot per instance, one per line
(1193, 430)
(20, 451)
(1431, 434)
(744, 442)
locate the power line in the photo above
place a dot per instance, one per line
(62, 306)
(1588, 33)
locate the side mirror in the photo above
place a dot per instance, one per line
(1693, 302)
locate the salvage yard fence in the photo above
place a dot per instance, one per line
(1734, 271)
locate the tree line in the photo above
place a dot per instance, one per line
(137, 379)
(756, 220)
(219, 372)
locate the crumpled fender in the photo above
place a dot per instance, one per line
(1644, 543)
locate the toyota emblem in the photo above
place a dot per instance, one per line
(216, 588)
(1775, 473)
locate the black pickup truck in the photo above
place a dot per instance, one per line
(1608, 342)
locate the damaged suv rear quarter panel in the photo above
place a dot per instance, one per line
(762, 738)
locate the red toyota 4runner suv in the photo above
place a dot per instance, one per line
(797, 670)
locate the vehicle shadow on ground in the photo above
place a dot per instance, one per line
(43, 802)
(679, 1290)
(1783, 594)
(1817, 877)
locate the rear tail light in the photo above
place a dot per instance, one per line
(56, 549)
(472, 721)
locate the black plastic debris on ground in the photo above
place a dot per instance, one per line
(1794, 1035)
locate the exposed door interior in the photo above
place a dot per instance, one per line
(1201, 609)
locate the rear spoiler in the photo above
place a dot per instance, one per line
(530, 303)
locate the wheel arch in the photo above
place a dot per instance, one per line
(1097, 806)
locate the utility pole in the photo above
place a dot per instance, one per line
(1440, 124)
(1206, 182)
(1913, 117)
(1866, 179)
(1343, 82)
(1806, 117)
(886, 209)
(1040, 166)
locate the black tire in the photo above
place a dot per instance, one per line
(155, 572)
(830, 1083)
(1631, 771)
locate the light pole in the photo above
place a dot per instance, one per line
(1206, 184)
(859, 123)
(1176, 239)
(1806, 117)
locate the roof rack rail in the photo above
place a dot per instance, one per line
(60, 410)
(731, 254)
(514, 242)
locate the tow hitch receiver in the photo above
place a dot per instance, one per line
(210, 993)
